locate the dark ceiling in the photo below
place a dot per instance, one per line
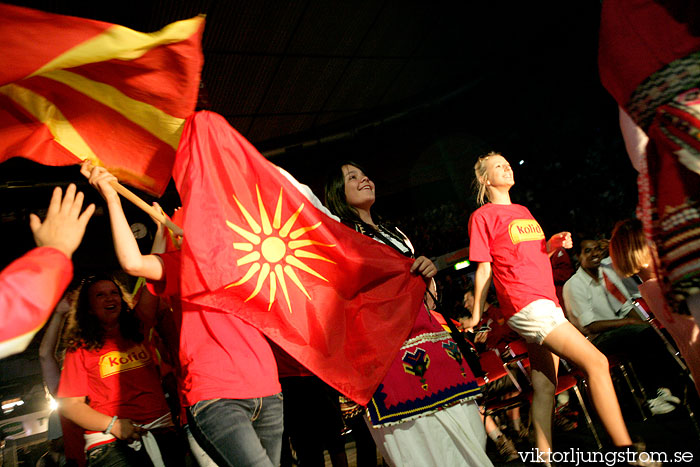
(413, 90)
(283, 72)
(279, 69)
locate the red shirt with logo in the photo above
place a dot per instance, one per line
(119, 379)
(511, 239)
(221, 356)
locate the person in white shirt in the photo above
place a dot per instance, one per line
(600, 304)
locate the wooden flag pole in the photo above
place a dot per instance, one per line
(147, 208)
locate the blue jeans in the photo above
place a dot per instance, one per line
(239, 432)
(118, 454)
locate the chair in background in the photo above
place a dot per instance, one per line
(517, 354)
(495, 369)
(644, 311)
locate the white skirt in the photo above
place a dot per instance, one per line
(451, 437)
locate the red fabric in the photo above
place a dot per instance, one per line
(73, 442)
(221, 356)
(119, 379)
(287, 366)
(500, 334)
(424, 376)
(165, 77)
(511, 239)
(30, 288)
(638, 38)
(614, 291)
(441, 320)
(562, 270)
(492, 364)
(347, 324)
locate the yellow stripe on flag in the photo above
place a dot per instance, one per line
(44, 111)
(163, 126)
(17, 344)
(122, 43)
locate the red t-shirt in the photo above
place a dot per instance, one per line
(221, 356)
(119, 379)
(511, 239)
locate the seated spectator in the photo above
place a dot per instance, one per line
(494, 333)
(600, 305)
(631, 254)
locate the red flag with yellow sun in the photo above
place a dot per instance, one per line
(337, 301)
(73, 89)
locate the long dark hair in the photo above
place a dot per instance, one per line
(334, 194)
(337, 203)
(84, 329)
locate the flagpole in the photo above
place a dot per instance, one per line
(150, 210)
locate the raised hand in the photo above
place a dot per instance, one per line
(64, 225)
(101, 179)
(562, 239)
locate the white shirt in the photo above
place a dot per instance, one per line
(588, 300)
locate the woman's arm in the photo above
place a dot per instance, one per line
(148, 305)
(76, 410)
(482, 282)
(635, 140)
(125, 246)
(146, 308)
(50, 370)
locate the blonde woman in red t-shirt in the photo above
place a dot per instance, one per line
(509, 246)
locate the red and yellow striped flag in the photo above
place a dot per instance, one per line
(73, 89)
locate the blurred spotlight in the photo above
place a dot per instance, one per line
(521, 162)
(53, 405)
(10, 404)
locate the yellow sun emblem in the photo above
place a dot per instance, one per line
(275, 250)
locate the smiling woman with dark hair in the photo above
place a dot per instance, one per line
(110, 385)
(423, 411)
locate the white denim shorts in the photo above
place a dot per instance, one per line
(537, 320)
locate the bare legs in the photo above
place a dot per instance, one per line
(544, 366)
(567, 342)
